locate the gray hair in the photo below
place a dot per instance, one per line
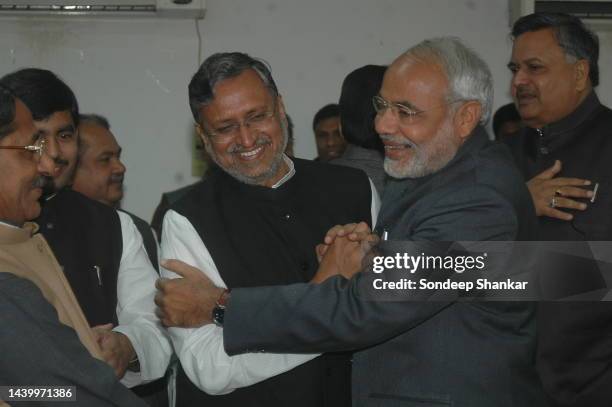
(95, 119)
(468, 75)
(219, 67)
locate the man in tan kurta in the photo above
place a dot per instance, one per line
(38, 346)
(27, 255)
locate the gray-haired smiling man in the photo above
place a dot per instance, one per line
(450, 183)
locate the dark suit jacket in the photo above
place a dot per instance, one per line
(416, 354)
(39, 350)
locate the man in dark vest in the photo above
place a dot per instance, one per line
(255, 220)
(100, 172)
(564, 152)
(449, 183)
(100, 250)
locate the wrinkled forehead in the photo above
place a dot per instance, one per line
(98, 137)
(408, 78)
(237, 96)
(59, 121)
(249, 82)
(540, 43)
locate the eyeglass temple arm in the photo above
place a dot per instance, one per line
(29, 148)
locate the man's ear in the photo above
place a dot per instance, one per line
(581, 72)
(467, 118)
(202, 134)
(281, 107)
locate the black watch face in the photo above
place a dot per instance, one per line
(217, 315)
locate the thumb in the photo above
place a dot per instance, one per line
(320, 250)
(105, 327)
(181, 268)
(550, 172)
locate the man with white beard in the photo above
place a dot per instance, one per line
(450, 183)
(427, 158)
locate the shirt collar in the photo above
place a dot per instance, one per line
(10, 224)
(12, 234)
(289, 173)
(557, 134)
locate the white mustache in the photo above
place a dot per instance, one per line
(397, 140)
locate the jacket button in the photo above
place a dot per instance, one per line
(544, 150)
(287, 216)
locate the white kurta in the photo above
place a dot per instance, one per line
(201, 350)
(136, 308)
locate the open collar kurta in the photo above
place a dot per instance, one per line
(27, 255)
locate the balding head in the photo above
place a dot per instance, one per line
(100, 171)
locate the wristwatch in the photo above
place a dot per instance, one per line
(134, 365)
(218, 312)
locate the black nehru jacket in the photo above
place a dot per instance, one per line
(583, 142)
(148, 239)
(575, 338)
(263, 236)
(86, 238)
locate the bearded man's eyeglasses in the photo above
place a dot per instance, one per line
(406, 115)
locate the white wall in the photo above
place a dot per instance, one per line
(136, 71)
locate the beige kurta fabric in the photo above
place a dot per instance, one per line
(29, 256)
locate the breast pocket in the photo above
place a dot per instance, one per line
(595, 223)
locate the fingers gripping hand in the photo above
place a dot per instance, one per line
(117, 351)
(343, 257)
(188, 301)
(100, 330)
(353, 231)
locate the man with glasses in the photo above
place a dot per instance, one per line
(40, 316)
(255, 220)
(449, 183)
(99, 249)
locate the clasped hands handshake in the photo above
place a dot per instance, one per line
(343, 250)
(117, 350)
(188, 301)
